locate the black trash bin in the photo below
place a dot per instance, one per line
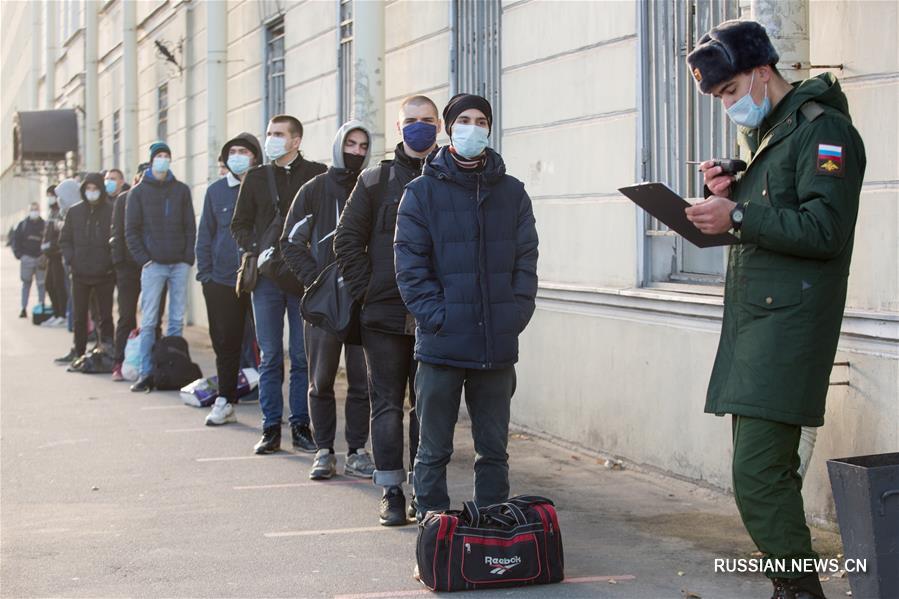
(866, 494)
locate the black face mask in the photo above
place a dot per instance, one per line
(353, 162)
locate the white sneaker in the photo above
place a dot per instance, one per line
(222, 413)
(57, 322)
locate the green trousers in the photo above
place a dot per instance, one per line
(768, 489)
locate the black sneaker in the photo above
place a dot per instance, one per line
(805, 587)
(302, 438)
(67, 359)
(143, 385)
(392, 510)
(23, 314)
(270, 441)
(412, 510)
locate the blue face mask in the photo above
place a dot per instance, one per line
(161, 164)
(469, 140)
(239, 163)
(110, 186)
(745, 112)
(419, 135)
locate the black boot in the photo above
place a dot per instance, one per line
(67, 359)
(143, 385)
(23, 314)
(393, 507)
(302, 438)
(270, 441)
(805, 587)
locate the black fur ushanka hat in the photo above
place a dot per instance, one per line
(729, 49)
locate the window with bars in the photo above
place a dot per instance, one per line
(475, 66)
(680, 124)
(117, 140)
(162, 112)
(274, 68)
(345, 61)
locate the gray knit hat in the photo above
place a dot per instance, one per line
(729, 49)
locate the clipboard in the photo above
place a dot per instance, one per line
(663, 203)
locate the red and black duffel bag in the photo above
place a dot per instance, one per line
(508, 544)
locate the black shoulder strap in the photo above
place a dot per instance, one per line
(383, 180)
(273, 188)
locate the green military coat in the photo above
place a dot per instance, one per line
(786, 281)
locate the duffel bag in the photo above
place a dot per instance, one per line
(515, 543)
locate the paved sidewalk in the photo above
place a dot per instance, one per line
(106, 493)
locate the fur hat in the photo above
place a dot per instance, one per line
(729, 49)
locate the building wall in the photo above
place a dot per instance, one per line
(607, 363)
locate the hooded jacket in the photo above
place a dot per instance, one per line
(786, 281)
(466, 262)
(218, 256)
(28, 237)
(52, 229)
(307, 240)
(363, 243)
(84, 239)
(159, 221)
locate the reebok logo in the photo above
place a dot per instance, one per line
(502, 564)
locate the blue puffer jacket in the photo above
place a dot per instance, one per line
(466, 262)
(218, 256)
(159, 221)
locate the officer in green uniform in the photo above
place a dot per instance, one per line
(794, 210)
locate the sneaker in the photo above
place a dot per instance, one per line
(412, 510)
(805, 587)
(117, 373)
(359, 464)
(324, 466)
(302, 438)
(222, 413)
(270, 441)
(59, 322)
(392, 510)
(143, 385)
(67, 359)
(23, 314)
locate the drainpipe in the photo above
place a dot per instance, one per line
(51, 35)
(91, 93)
(368, 71)
(788, 26)
(129, 87)
(216, 87)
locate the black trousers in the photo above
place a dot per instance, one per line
(55, 284)
(391, 369)
(323, 355)
(81, 299)
(128, 292)
(227, 315)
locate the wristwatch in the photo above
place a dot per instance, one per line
(736, 216)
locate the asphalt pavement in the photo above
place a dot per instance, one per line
(108, 493)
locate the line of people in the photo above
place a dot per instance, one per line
(437, 246)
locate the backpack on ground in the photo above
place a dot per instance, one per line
(172, 366)
(99, 360)
(41, 313)
(515, 543)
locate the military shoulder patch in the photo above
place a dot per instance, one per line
(829, 160)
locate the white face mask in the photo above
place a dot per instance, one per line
(92, 196)
(745, 112)
(34, 214)
(275, 147)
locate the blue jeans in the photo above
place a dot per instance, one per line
(269, 305)
(153, 279)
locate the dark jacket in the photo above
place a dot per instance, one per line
(218, 256)
(255, 209)
(466, 262)
(28, 237)
(121, 256)
(84, 239)
(363, 243)
(159, 221)
(786, 281)
(307, 242)
(52, 229)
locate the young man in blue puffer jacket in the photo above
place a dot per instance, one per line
(466, 267)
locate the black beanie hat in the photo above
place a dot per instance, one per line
(462, 102)
(729, 49)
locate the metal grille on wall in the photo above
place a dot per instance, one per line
(345, 60)
(162, 112)
(679, 123)
(475, 65)
(274, 68)
(117, 141)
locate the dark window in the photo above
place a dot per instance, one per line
(162, 112)
(116, 140)
(345, 60)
